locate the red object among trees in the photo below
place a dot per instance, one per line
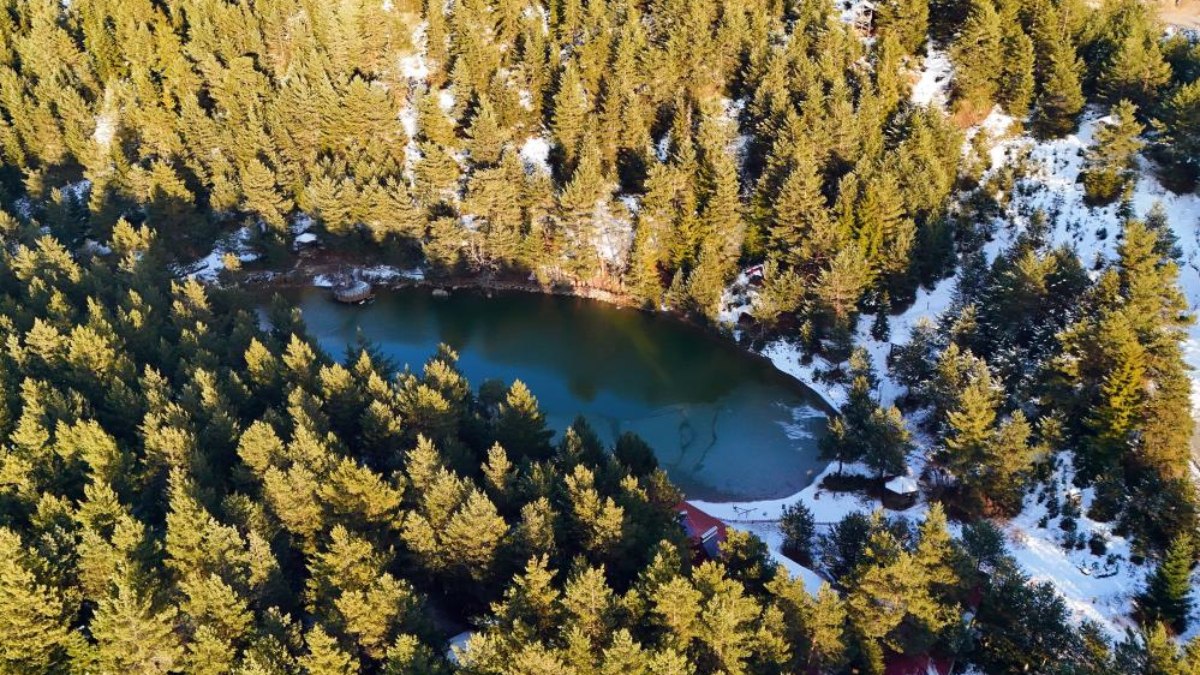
(705, 532)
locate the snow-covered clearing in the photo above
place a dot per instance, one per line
(933, 86)
(761, 517)
(376, 274)
(210, 266)
(1052, 186)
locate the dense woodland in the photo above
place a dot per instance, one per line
(183, 489)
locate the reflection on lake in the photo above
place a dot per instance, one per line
(724, 425)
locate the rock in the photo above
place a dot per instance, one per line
(441, 293)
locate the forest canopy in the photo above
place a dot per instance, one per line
(184, 488)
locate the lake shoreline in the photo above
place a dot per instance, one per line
(725, 427)
(306, 273)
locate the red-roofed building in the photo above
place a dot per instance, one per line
(704, 531)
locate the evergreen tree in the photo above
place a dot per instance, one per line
(1060, 93)
(132, 636)
(1179, 123)
(907, 20)
(261, 194)
(1110, 164)
(796, 523)
(1136, 70)
(33, 625)
(1168, 594)
(324, 657)
(1016, 83)
(486, 139)
(1120, 391)
(801, 228)
(522, 426)
(978, 55)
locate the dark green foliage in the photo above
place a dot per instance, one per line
(1109, 165)
(796, 523)
(1168, 595)
(866, 432)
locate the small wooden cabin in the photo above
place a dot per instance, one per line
(354, 292)
(901, 493)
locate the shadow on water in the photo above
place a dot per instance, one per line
(725, 425)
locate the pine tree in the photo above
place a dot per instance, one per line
(1017, 73)
(473, 534)
(1060, 92)
(1121, 391)
(841, 284)
(907, 20)
(978, 55)
(570, 110)
(1110, 164)
(1156, 308)
(486, 139)
(521, 427)
(132, 636)
(1136, 71)
(1168, 595)
(1009, 460)
(801, 228)
(969, 424)
(796, 523)
(33, 623)
(261, 194)
(1179, 122)
(324, 657)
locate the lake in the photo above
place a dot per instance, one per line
(725, 426)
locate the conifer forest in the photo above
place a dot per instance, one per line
(971, 226)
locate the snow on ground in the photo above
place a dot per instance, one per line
(386, 273)
(301, 223)
(934, 84)
(1095, 587)
(106, 128)
(535, 154)
(613, 234)
(761, 517)
(210, 266)
(1052, 185)
(855, 11)
(376, 274)
(413, 66)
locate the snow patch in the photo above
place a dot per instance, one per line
(535, 154)
(106, 128)
(208, 268)
(933, 87)
(413, 66)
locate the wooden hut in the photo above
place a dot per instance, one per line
(901, 493)
(354, 292)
